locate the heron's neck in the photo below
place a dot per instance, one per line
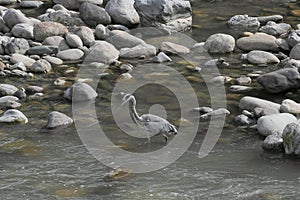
(133, 114)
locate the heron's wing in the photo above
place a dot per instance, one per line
(152, 118)
(157, 125)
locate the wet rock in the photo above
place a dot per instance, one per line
(243, 120)
(9, 102)
(18, 58)
(13, 116)
(220, 80)
(70, 54)
(58, 41)
(86, 35)
(172, 48)
(7, 89)
(139, 51)
(161, 57)
(218, 112)
(173, 15)
(75, 4)
(244, 80)
(291, 138)
(122, 39)
(58, 119)
(30, 4)
(40, 66)
(290, 106)
(273, 143)
(102, 32)
(250, 103)
(79, 92)
(123, 12)
(262, 57)
(74, 40)
(203, 110)
(23, 30)
(240, 88)
(20, 93)
(16, 45)
(220, 43)
(295, 52)
(293, 38)
(93, 15)
(32, 89)
(42, 50)
(43, 30)
(244, 23)
(220, 62)
(259, 41)
(275, 29)
(265, 19)
(12, 17)
(95, 53)
(274, 124)
(280, 80)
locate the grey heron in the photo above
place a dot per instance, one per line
(148, 122)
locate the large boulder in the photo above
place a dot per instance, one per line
(262, 57)
(123, 12)
(12, 17)
(58, 119)
(23, 30)
(250, 103)
(93, 15)
(258, 41)
(173, 15)
(43, 30)
(291, 138)
(75, 4)
(103, 52)
(280, 80)
(7, 89)
(139, 51)
(122, 39)
(86, 35)
(13, 116)
(243, 23)
(80, 92)
(19, 58)
(274, 124)
(220, 43)
(290, 106)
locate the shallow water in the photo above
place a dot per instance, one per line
(36, 163)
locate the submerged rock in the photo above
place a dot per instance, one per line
(13, 116)
(274, 124)
(58, 119)
(172, 48)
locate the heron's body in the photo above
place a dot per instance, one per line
(151, 123)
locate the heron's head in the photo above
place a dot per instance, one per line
(126, 98)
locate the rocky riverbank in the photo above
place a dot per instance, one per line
(96, 32)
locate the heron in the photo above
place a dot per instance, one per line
(151, 123)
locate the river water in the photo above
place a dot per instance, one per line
(36, 163)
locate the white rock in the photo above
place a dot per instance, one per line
(13, 116)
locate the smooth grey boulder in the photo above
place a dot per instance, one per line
(295, 52)
(58, 119)
(86, 34)
(220, 43)
(274, 124)
(172, 48)
(13, 116)
(7, 89)
(280, 80)
(102, 32)
(93, 15)
(244, 23)
(273, 143)
(75, 4)
(139, 51)
(23, 30)
(43, 30)
(122, 39)
(123, 12)
(53, 60)
(250, 103)
(57, 41)
(275, 29)
(40, 66)
(290, 106)
(95, 53)
(74, 40)
(262, 57)
(175, 15)
(258, 41)
(80, 92)
(12, 17)
(17, 58)
(291, 138)
(70, 54)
